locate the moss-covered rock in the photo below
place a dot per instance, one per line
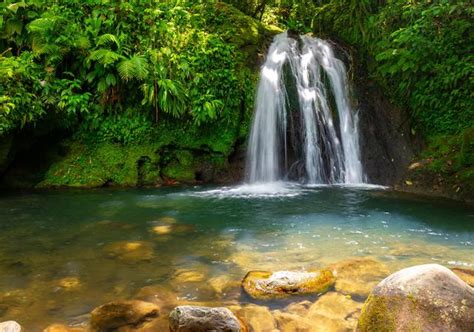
(106, 163)
(420, 298)
(264, 285)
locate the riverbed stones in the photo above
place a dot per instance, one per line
(257, 318)
(465, 274)
(63, 328)
(358, 276)
(188, 275)
(122, 314)
(69, 283)
(264, 285)
(202, 319)
(130, 251)
(335, 312)
(10, 326)
(162, 229)
(420, 298)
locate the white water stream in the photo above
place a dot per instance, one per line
(326, 148)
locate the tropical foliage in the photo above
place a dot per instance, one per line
(84, 61)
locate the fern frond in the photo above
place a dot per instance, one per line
(135, 67)
(104, 56)
(108, 39)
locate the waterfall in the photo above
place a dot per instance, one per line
(303, 127)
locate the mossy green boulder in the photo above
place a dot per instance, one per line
(263, 285)
(420, 298)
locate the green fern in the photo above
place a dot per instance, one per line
(104, 56)
(135, 67)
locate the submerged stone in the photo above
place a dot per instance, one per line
(121, 314)
(162, 229)
(69, 283)
(268, 285)
(168, 220)
(465, 274)
(420, 298)
(224, 284)
(204, 319)
(358, 276)
(63, 328)
(335, 312)
(10, 326)
(184, 276)
(131, 251)
(289, 322)
(257, 318)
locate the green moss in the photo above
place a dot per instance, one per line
(376, 316)
(107, 163)
(182, 168)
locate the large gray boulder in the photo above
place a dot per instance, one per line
(202, 319)
(10, 326)
(420, 298)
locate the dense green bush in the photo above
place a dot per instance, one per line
(117, 67)
(421, 53)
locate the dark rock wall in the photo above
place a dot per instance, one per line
(387, 146)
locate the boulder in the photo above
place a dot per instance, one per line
(203, 319)
(420, 298)
(358, 276)
(120, 314)
(268, 285)
(10, 326)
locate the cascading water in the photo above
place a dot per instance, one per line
(294, 135)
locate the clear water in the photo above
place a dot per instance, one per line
(48, 236)
(329, 153)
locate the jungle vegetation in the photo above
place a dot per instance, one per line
(182, 73)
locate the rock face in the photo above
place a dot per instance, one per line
(267, 285)
(420, 298)
(203, 319)
(10, 326)
(120, 314)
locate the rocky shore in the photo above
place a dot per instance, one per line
(420, 298)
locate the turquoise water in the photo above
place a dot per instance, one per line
(62, 253)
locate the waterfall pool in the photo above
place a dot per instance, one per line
(62, 253)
